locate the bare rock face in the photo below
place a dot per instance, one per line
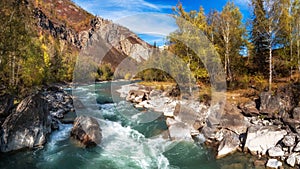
(261, 138)
(87, 131)
(277, 105)
(100, 39)
(121, 39)
(28, 126)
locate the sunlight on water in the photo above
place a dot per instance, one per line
(129, 142)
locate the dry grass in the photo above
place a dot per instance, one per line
(158, 85)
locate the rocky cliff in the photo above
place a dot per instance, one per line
(68, 22)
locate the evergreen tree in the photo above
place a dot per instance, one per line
(267, 29)
(259, 37)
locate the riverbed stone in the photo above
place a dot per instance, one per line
(233, 119)
(249, 108)
(87, 131)
(289, 140)
(261, 138)
(180, 131)
(229, 144)
(273, 164)
(297, 147)
(275, 152)
(291, 160)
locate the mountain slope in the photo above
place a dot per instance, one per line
(65, 20)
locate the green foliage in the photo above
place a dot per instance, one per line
(127, 76)
(21, 56)
(229, 33)
(29, 58)
(184, 20)
(105, 72)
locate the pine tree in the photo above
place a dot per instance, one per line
(267, 29)
(259, 37)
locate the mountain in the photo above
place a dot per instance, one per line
(44, 41)
(68, 22)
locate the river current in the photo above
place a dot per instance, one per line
(129, 141)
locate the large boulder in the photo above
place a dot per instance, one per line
(28, 126)
(229, 144)
(279, 104)
(87, 131)
(233, 119)
(261, 138)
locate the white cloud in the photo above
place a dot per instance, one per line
(149, 23)
(116, 9)
(139, 16)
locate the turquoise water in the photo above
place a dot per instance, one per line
(132, 139)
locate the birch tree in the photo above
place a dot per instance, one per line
(230, 32)
(270, 27)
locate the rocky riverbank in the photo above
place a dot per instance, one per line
(27, 124)
(266, 127)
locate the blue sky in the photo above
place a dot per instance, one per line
(150, 19)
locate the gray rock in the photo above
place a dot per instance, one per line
(297, 147)
(297, 159)
(180, 131)
(291, 160)
(269, 103)
(137, 96)
(296, 113)
(229, 144)
(28, 126)
(187, 115)
(289, 140)
(87, 131)
(276, 105)
(233, 119)
(261, 138)
(273, 163)
(249, 108)
(275, 152)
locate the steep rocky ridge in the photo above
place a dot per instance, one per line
(68, 22)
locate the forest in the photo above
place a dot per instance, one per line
(259, 52)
